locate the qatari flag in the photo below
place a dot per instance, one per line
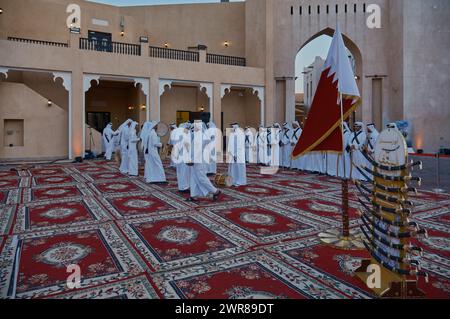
(323, 129)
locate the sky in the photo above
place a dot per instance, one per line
(306, 56)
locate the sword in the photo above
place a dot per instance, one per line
(386, 198)
(385, 220)
(394, 178)
(399, 235)
(376, 247)
(389, 210)
(368, 179)
(405, 211)
(399, 271)
(417, 251)
(391, 168)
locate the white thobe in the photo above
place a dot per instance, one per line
(212, 165)
(297, 163)
(275, 149)
(358, 140)
(133, 165)
(249, 146)
(286, 148)
(179, 152)
(124, 138)
(200, 184)
(108, 140)
(171, 142)
(262, 147)
(154, 170)
(237, 169)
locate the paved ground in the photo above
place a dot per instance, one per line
(429, 173)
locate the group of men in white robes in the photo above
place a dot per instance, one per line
(264, 144)
(125, 141)
(195, 148)
(194, 159)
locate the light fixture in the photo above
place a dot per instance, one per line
(122, 33)
(166, 45)
(1, 10)
(49, 103)
(131, 108)
(226, 44)
(143, 107)
(202, 108)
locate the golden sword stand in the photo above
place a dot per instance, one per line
(395, 282)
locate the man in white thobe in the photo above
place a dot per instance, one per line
(154, 170)
(286, 148)
(268, 153)
(133, 139)
(200, 185)
(344, 159)
(236, 155)
(262, 145)
(275, 149)
(372, 137)
(297, 163)
(124, 135)
(249, 146)
(181, 155)
(172, 127)
(108, 141)
(357, 145)
(212, 133)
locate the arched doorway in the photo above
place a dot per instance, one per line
(309, 61)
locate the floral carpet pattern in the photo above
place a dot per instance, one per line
(135, 240)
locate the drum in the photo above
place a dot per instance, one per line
(162, 129)
(223, 180)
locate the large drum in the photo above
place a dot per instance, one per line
(223, 180)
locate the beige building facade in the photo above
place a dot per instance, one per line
(234, 60)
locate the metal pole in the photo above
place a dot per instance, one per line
(438, 188)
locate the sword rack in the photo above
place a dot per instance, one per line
(386, 226)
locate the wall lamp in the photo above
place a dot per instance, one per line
(49, 103)
(1, 10)
(226, 44)
(166, 45)
(122, 26)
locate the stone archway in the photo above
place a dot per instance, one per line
(353, 49)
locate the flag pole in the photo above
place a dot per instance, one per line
(345, 215)
(343, 238)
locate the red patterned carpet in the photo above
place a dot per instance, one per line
(134, 240)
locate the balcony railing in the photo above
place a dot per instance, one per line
(172, 54)
(225, 59)
(113, 47)
(41, 42)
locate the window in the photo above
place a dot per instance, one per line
(13, 133)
